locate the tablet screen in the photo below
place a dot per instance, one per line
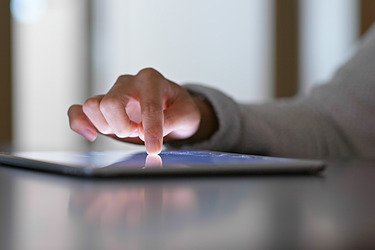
(141, 159)
(120, 163)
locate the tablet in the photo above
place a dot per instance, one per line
(125, 163)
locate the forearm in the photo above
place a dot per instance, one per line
(292, 128)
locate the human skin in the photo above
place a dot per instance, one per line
(145, 108)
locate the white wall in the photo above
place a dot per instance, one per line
(329, 30)
(49, 71)
(226, 44)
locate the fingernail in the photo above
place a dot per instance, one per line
(122, 135)
(134, 133)
(153, 146)
(89, 135)
(141, 136)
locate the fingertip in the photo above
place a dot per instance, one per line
(153, 146)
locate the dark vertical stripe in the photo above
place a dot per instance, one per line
(286, 48)
(5, 74)
(367, 14)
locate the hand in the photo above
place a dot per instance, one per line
(142, 108)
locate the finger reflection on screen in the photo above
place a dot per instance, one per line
(153, 161)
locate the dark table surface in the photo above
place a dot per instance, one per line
(335, 210)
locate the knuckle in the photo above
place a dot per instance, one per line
(123, 78)
(148, 73)
(91, 104)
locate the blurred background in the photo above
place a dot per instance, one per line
(54, 53)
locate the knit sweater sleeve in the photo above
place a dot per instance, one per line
(334, 120)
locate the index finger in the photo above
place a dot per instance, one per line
(151, 102)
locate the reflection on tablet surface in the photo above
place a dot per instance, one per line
(153, 161)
